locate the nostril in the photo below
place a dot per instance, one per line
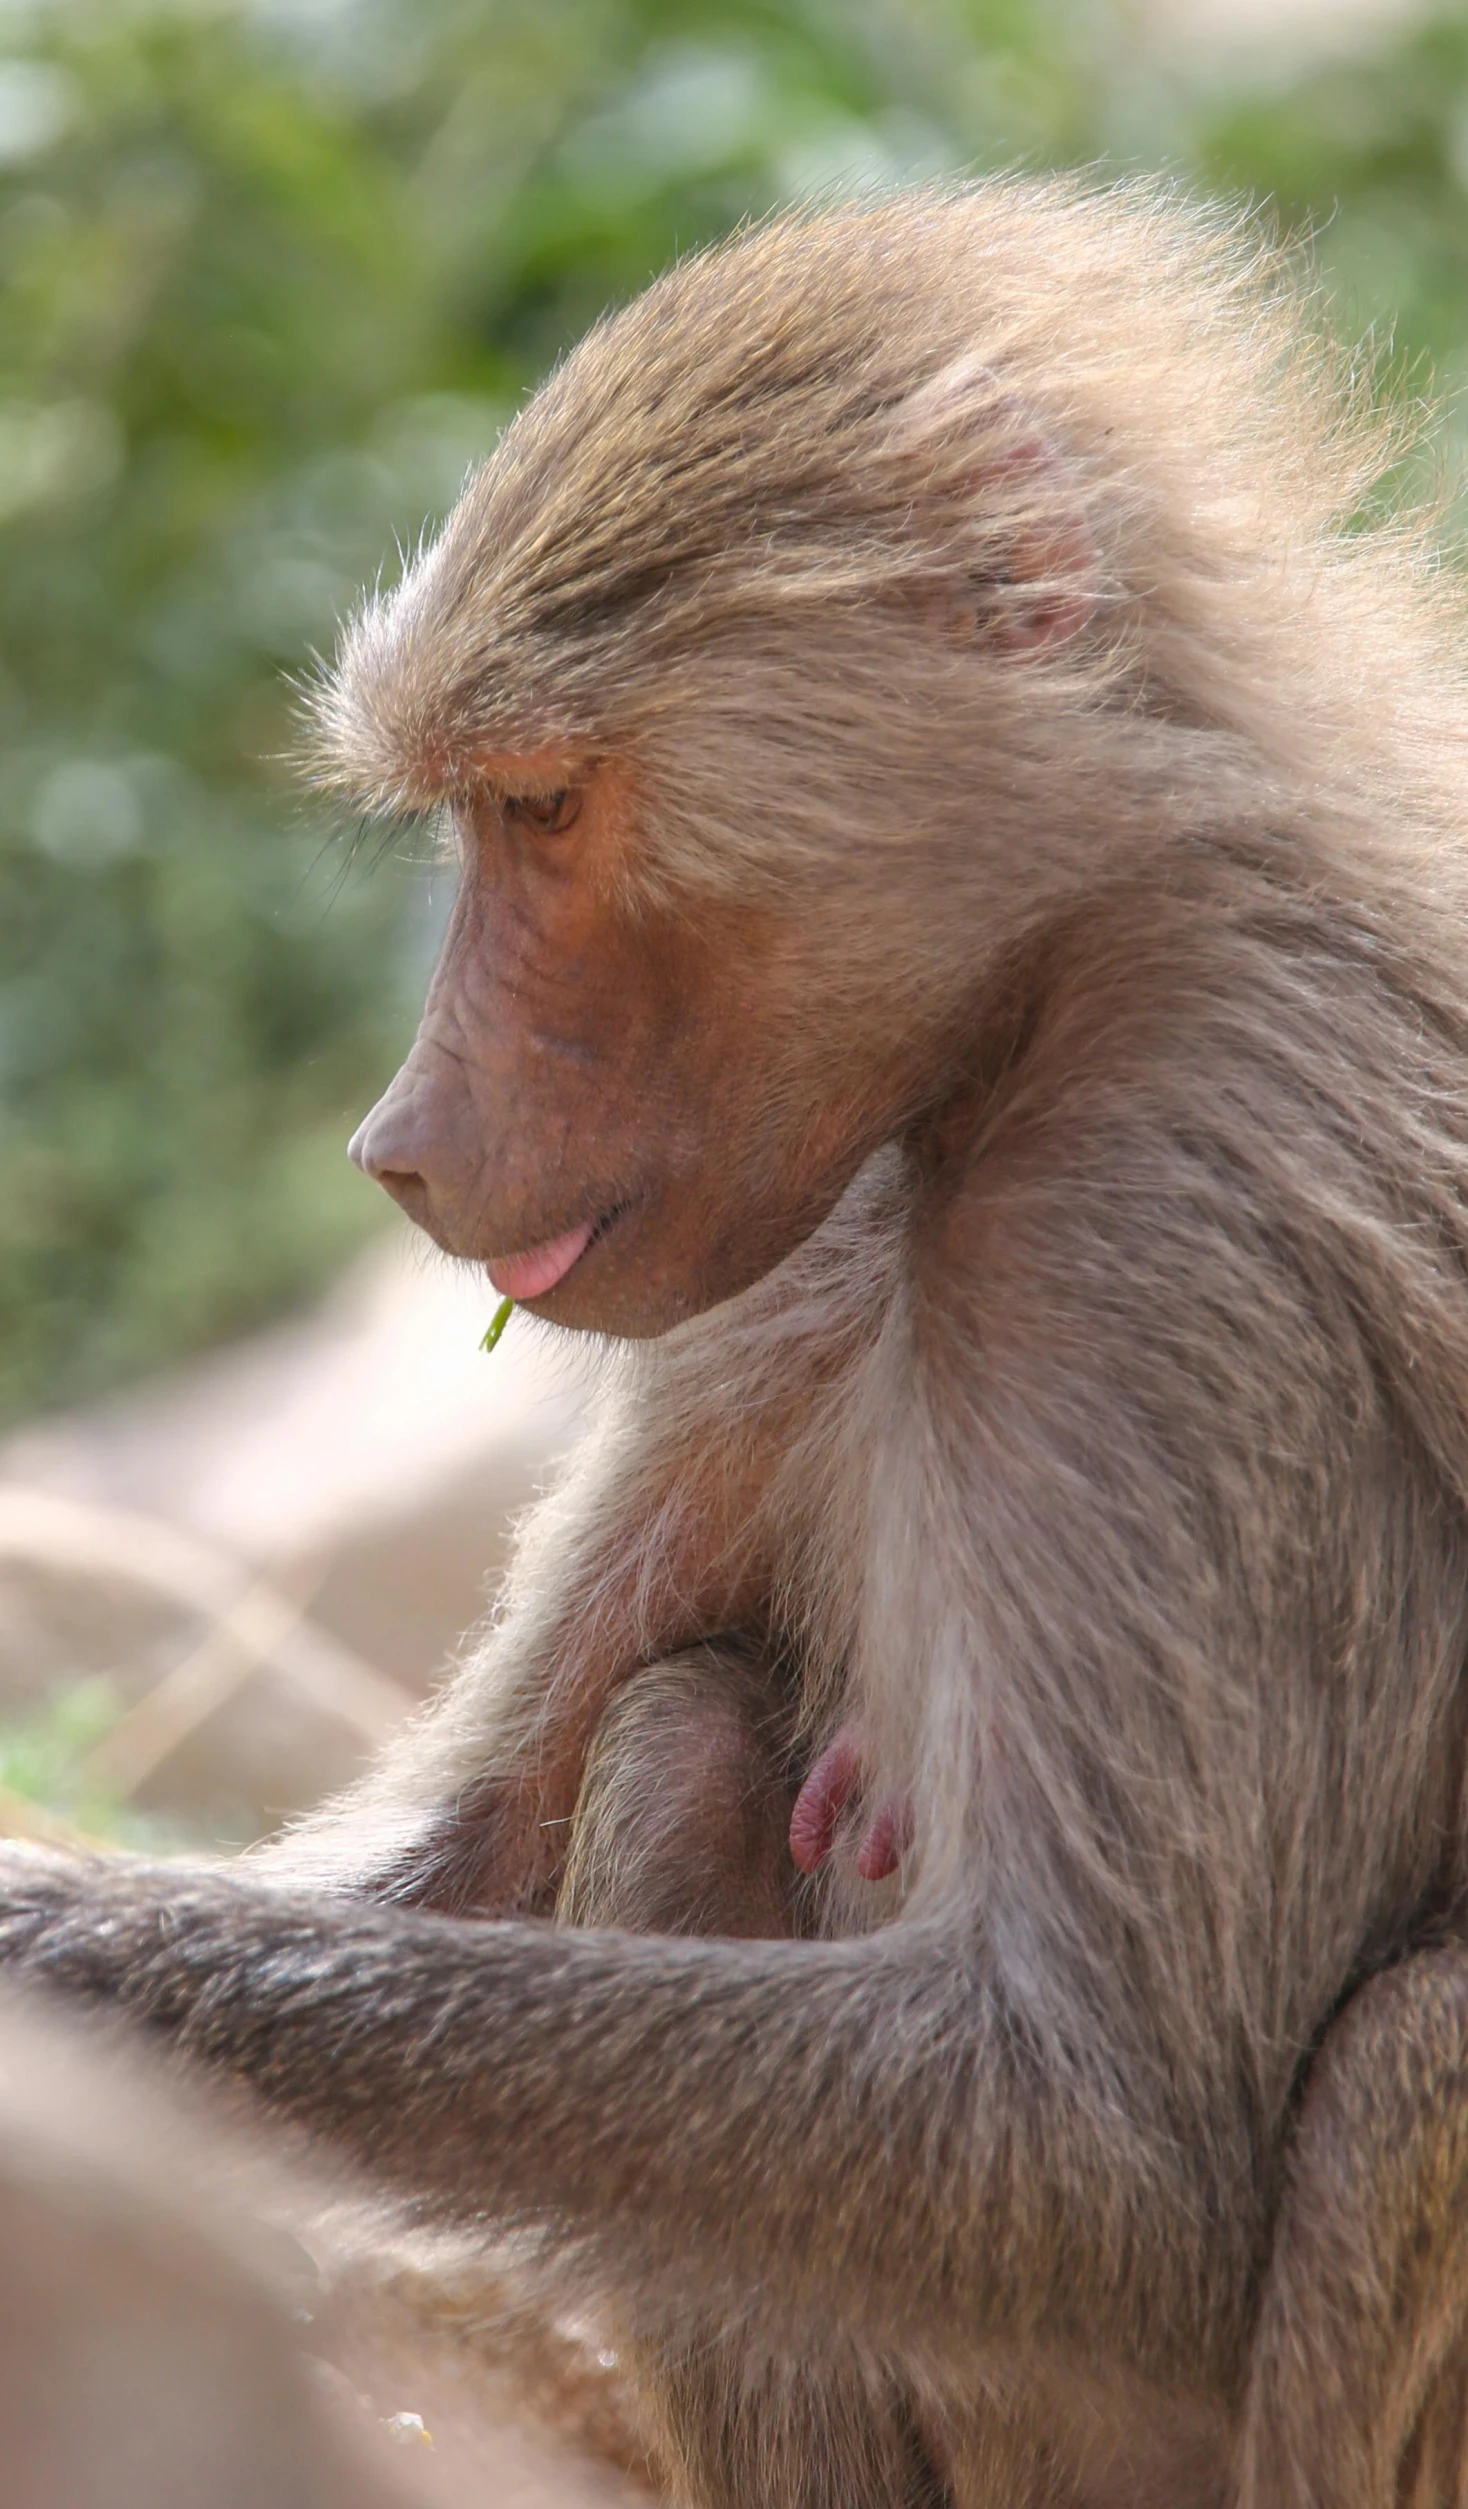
(404, 1184)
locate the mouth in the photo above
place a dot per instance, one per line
(539, 1269)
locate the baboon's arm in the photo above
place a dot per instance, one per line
(857, 2115)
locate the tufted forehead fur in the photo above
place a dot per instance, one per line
(725, 538)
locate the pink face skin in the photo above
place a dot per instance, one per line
(599, 1105)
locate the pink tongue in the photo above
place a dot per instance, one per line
(531, 1274)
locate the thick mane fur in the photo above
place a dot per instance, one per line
(728, 452)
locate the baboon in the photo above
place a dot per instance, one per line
(958, 976)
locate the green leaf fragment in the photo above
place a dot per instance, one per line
(497, 1323)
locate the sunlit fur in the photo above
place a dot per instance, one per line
(1101, 1462)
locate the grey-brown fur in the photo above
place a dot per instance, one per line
(1101, 1459)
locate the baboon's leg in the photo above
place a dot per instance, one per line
(1359, 2392)
(682, 1825)
(789, 2434)
(836, 2432)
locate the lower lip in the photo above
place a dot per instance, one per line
(534, 1273)
(542, 1268)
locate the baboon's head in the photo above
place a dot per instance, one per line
(777, 677)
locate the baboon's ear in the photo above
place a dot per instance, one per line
(997, 495)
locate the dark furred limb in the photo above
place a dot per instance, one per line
(1360, 2394)
(830, 2433)
(859, 2106)
(683, 1821)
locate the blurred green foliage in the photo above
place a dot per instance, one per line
(271, 276)
(46, 1760)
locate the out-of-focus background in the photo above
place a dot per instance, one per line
(273, 273)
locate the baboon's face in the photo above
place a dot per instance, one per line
(606, 1104)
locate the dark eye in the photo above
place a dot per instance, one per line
(547, 813)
